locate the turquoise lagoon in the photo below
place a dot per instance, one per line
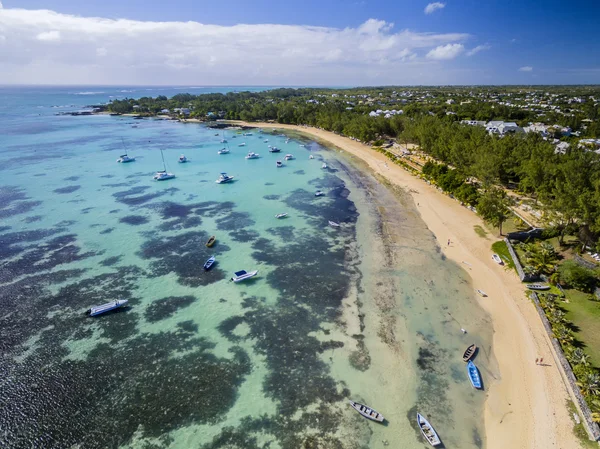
(371, 311)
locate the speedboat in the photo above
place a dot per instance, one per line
(243, 144)
(311, 157)
(428, 431)
(266, 140)
(211, 241)
(252, 155)
(209, 263)
(99, 310)
(124, 158)
(319, 193)
(281, 215)
(242, 275)
(538, 287)
(223, 140)
(367, 412)
(224, 178)
(497, 259)
(246, 134)
(279, 164)
(324, 165)
(469, 352)
(474, 376)
(163, 175)
(223, 151)
(274, 150)
(289, 157)
(333, 224)
(183, 159)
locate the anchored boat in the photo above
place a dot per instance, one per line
(252, 155)
(211, 241)
(367, 412)
(333, 224)
(124, 158)
(223, 178)
(242, 275)
(99, 310)
(209, 263)
(183, 159)
(428, 431)
(163, 175)
(279, 164)
(319, 193)
(281, 215)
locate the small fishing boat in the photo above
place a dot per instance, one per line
(289, 157)
(334, 224)
(246, 134)
(163, 175)
(428, 431)
(474, 376)
(274, 150)
(538, 287)
(497, 259)
(281, 215)
(324, 165)
(223, 140)
(223, 151)
(99, 310)
(243, 144)
(211, 241)
(242, 275)
(367, 412)
(482, 293)
(223, 178)
(311, 157)
(209, 263)
(279, 164)
(469, 352)
(124, 158)
(183, 159)
(319, 193)
(252, 155)
(266, 140)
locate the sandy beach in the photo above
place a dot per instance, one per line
(526, 404)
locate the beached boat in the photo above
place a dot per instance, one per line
(289, 157)
(281, 215)
(538, 287)
(163, 175)
(324, 165)
(497, 259)
(482, 293)
(182, 159)
(252, 155)
(223, 151)
(334, 224)
(428, 431)
(279, 164)
(469, 352)
(274, 150)
(223, 178)
(319, 193)
(211, 241)
(209, 263)
(367, 412)
(474, 376)
(124, 158)
(99, 310)
(243, 275)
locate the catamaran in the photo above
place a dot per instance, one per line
(242, 275)
(224, 178)
(124, 158)
(163, 175)
(99, 310)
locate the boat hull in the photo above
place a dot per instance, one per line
(428, 431)
(108, 307)
(474, 376)
(211, 241)
(469, 353)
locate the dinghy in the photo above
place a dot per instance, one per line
(538, 287)
(99, 310)
(497, 259)
(474, 376)
(482, 293)
(367, 412)
(334, 224)
(209, 263)
(281, 215)
(469, 352)
(211, 241)
(242, 275)
(428, 431)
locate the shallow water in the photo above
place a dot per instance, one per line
(370, 311)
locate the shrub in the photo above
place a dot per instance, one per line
(577, 276)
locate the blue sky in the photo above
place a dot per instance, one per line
(527, 42)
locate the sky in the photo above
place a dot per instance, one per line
(307, 43)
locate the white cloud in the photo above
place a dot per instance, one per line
(448, 51)
(432, 7)
(191, 52)
(1, 5)
(477, 49)
(526, 68)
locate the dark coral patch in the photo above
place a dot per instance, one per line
(67, 189)
(110, 261)
(13, 201)
(166, 307)
(134, 220)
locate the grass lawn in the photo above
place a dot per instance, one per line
(501, 249)
(585, 315)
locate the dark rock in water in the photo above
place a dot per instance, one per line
(33, 219)
(107, 231)
(67, 189)
(166, 307)
(134, 220)
(110, 261)
(71, 178)
(285, 232)
(245, 235)
(272, 197)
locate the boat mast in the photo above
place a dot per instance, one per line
(163, 159)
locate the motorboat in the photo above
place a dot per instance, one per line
(319, 193)
(246, 134)
(482, 293)
(274, 150)
(266, 140)
(497, 259)
(289, 157)
(163, 175)
(428, 431)
(243, 144)
(242, 275)
(223, 178)
(279, 164)
(281, 215)
(124, 158)
(217, 135)
(469, 352)
(209, 263)
(211, 241)
(302, 145)
(182, 159)
(334, 224)
(474, 376)
(223, 140)
(113, 305)
(538, 287)
(367, 412)
(252, 155)
(223, 151)
(324, 165)
(311, 157)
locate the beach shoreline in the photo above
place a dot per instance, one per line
(527, 406)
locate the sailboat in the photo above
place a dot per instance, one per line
(163, 175)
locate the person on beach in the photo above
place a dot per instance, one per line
(448, 242)
(541, 361)
(536, 361)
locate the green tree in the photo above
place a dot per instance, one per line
(493, 207)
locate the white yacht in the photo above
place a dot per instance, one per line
(279, 164)
(163, 175)
(274, 150)
(324, 165)
(224, 178)
(289, 157)
(223, 151)
(183, 159)
(124, 158)
(252, 155)
(319, 193)
(242, 275)
(311, 157)
(243, 144)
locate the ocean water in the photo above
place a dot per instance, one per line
(370, 311)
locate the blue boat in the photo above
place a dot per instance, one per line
(474, 376)
(209, 263)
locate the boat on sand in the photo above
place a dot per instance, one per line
(428, 431)
(538, 287)
(497, 259)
